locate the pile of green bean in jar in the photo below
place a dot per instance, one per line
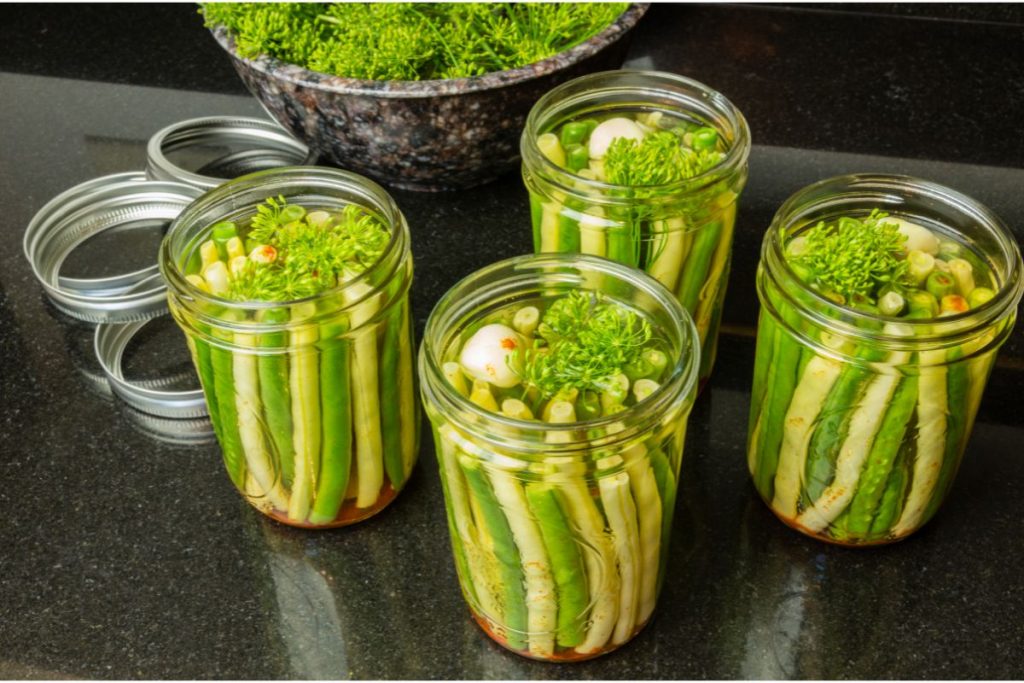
(646, 185)
(560, 495)
(856, 438)
(306, 367)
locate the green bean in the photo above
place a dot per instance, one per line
(390, 414)
(588, 405)
(568, 240)
(834, 420)
(940, 284)
(704, 138)
(204, 364)
(566, 562)
(224, 389)
(980, 296)
(409, 410)
(251, 425)
(273, 376)
(891, 505)
(221, 233)
(577, 157)
(884, 450)
(666, 482)
(304, 388)
(957, 393)
(762, 364)
(622, 243)
(460, 519)
(336, 423)
(513, 591)
(536, 217)
(574, 132)
(698, 264)
(782, 379)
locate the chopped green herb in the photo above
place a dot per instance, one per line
(852, 257)
(657, 159)
(308, 256)
(585, 343)
(410, 41)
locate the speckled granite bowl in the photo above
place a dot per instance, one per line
(422, 135)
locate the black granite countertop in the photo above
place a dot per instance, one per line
(124, 555)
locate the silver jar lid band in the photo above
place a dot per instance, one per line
(122, 200)
(146, 396)
(266, 145)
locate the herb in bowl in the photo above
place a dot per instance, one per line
(410, 41)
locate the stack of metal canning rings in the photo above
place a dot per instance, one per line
(120, 305)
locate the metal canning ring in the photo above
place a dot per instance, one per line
(266, 145)
(146, 396)
(123, 200)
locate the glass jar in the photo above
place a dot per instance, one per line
(858, 422)
(559, 531)
(680, 233)
(312, 400)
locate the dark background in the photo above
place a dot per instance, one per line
(123, 555)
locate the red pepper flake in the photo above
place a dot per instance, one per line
(509, 343)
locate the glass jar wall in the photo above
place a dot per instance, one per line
(559, 524)
(676, 226)
(861, 410)
(312, 399)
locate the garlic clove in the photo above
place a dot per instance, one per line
(488, 355)
(918, 236)
(609, 130)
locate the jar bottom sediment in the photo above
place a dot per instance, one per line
(567, 656)
(349, 513)
(845, 543)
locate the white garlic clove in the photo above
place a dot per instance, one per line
(609, 130)
(486, 356)
(918, 236)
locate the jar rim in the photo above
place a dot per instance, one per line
(735, 157)
(462, 297)
(376, 197)
(829, 313)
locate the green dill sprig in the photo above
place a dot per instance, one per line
(311, 257)
(582, 343)
(409, 41)
(851, 258)
(658, 159)
(268, 220)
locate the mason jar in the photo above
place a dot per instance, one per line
(859, 421)
(680, 232)
(559, 530)
(312, 399)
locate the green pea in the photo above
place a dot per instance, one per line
(705, 138)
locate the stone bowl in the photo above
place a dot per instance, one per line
(422, 135)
